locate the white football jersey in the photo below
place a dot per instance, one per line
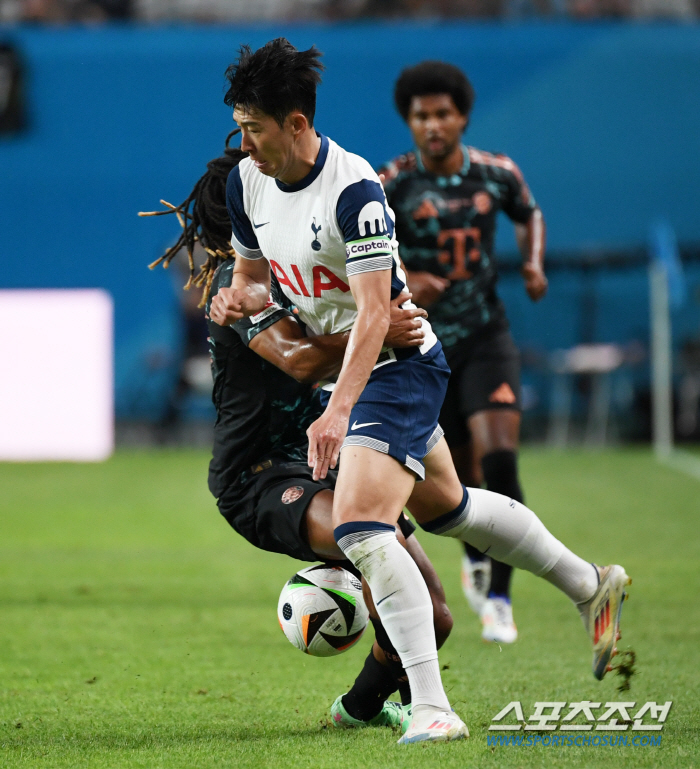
(333, 223)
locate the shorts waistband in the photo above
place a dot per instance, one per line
(388, 356)
(385, 356)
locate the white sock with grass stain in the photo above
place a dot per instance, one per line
(403, 603)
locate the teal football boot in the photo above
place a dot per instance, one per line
(390, 715)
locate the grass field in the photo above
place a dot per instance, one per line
(138, 630)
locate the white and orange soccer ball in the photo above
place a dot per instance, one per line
(321, 610)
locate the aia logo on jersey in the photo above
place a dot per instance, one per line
(482, 202)
(372, 219)
(322, 279)
(316, 243)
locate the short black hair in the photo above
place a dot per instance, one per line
(276, 79)
(433, 77)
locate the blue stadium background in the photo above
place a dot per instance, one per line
(604, 120)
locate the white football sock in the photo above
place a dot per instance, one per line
(426, 685)
(508, 531)
(574, 576)
(402, 601)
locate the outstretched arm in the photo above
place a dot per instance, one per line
(311, 358)
(305, 358)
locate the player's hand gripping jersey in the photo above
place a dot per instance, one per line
(446, 226)
(332, 224)
(258, 472)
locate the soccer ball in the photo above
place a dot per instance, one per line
(321, 610)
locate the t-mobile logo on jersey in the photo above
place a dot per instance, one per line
(372, 219)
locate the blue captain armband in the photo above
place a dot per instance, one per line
(367, 227)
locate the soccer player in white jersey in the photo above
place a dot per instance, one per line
(317, 217)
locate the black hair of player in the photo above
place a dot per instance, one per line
(433, 77)
(277, 79)
(207, 221)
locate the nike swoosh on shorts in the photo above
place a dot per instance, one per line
(355, 426)
(257, 226)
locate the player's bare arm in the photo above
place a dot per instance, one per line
(532, 238)
(247, 295)
(312, 358)
(371, 292)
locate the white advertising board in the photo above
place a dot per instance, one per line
(56, 379)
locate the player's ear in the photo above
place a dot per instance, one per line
(298, 123)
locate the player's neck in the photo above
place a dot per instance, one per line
(450, 164)
(304, 158)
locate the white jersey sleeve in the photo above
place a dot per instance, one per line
(243, 237)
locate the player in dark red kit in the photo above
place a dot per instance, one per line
(446, 197)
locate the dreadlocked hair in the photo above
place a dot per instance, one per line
(204, 219)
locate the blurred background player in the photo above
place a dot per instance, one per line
(446, 198)
(264, 368)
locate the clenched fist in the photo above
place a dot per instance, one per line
(227, 306)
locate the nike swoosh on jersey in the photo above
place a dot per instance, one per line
(257, 226)
(355, 426)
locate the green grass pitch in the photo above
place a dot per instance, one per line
(138, 630)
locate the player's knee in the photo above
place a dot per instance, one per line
(438, 494)
(500, 470)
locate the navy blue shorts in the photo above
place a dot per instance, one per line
(398, 410)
